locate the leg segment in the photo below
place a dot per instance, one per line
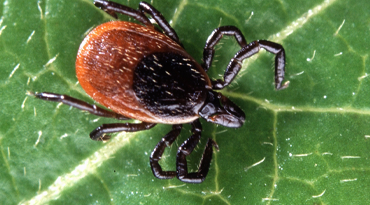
(236, 63)
(161, 21)
(79, 104)
(186, 149)
(99, 133)
(158, 152)
(112, 8)
(215, 37)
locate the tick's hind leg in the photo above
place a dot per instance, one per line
(112, 8)
(186, 149)
(99, 133)
(158, 152)
(161, 21)
(79, 104)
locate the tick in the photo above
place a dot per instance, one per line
(145, 74)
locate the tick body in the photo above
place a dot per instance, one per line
(141, 73)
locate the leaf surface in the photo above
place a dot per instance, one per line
(307, 144)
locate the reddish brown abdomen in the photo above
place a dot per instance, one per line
(106, 64)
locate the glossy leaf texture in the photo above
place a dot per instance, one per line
(307, 144)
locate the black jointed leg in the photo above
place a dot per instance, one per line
(99, 133)
(79, 104)
(161, 21)
(158, 152)
(279, 51)
(215, 37)
(112, 8)
(186, 149)
(236, 63)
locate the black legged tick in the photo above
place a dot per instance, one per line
(141, 73)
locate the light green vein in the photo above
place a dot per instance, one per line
(290, 108)
(179, 10)
(8, 168)
(364, 59)
(274, 156)
(85, 168)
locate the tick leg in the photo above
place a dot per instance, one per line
(99, 133)
(186, 148)
(112, 8)
(236, 63)
(161, 21)
(79, 104)
(158, 152)
(215, 37)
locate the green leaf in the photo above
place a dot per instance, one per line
(307, 144)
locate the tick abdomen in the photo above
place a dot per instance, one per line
(169, 84)
(116, 53)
